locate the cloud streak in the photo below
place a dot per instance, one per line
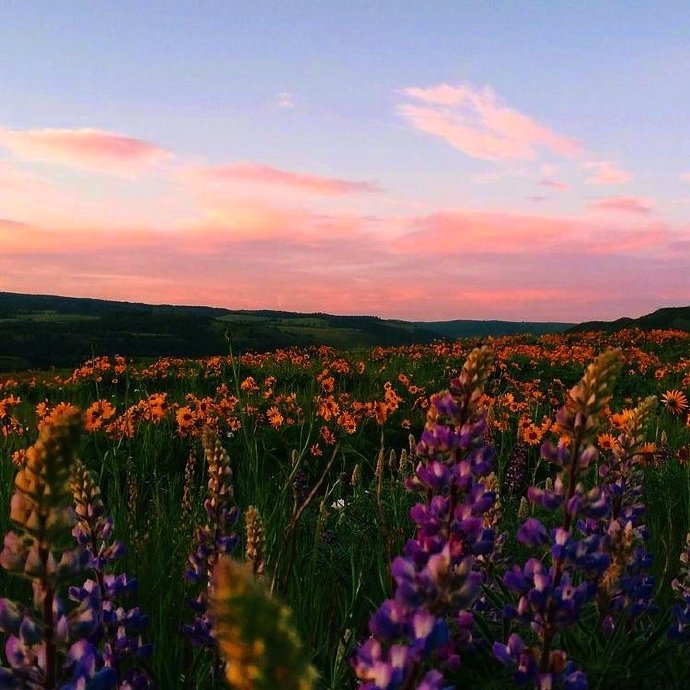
(605, 173)
(84, 149)
(474, 121)
(268, 176)
(624, 204)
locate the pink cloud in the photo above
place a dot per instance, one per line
(510, 234)
(453, 263)
(685, 177)
(625, 204)
(554, 184)
(475, 122)
(87, 149)
(605, 173)
(266, 175)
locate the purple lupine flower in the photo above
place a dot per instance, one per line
(213, 539)
(118, 635)
(552, 590)
(625, 587)
(418, 633)
(52, 644)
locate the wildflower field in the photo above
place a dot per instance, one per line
(469, 514)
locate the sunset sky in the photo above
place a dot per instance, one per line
(424, 161)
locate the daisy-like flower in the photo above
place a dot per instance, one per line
(532, 435)
(186, 420)
(605, 441)
(675, 401)
(275, 418)
(96, 414)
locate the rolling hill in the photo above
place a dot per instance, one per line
(39, 331)
(667, 318)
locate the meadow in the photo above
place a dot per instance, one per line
(329, 453)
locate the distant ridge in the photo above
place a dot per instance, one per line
(676, 318)
(38, 331)
(463, 328)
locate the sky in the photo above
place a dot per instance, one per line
(426, 161)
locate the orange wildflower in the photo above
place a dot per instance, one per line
(381, 412)
(275, 418)
(328, 408)
(327, 435)
(675, 401)
(524, 424)
(648, 447)
(249, 385)
(97, 413)
(347, 422)
(158, 406)
(606, 441)
(186, 420)
(532, 435)
(60, 409)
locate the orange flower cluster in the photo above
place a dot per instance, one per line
(9, 425)
(99, 369)
(96, 414)
(344, 394)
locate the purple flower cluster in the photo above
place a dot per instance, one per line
(552, 589)
(418, 634)
(626, 588)
(48, 644)
(27, 649)
(212, 539)
(119, 635)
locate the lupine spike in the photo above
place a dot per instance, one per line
(254, 546)
(586, 399)
(626, 587)
(392, 460)
(553, 588)
(636, 424)
(215, 538)
(119, 633)
(188, 486)
(40, 504)
(404, 461)
(255, 634)
(49, 647)
(427, 621)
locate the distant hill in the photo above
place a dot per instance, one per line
(462, 328)
(40, 331)
(677, 318)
